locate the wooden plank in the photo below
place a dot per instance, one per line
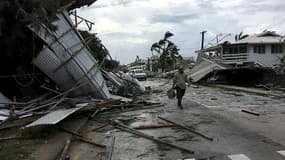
(155, 126)
(80, 137)
(97, 128)
(49, 89)
(65, 149)
(250, 112)
(11, 138)
(133, 131)
(187, 128)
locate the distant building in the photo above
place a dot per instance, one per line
(264, 49)
(138, 64)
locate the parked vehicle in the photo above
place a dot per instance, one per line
(139, 74)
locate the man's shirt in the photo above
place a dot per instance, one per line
(180, 80)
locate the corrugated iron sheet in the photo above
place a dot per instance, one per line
(54, 117)
(203, 69)
(4, 113)
(59, 52)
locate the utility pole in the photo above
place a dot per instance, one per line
(203, 36)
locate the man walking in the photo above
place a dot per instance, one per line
(179, 83)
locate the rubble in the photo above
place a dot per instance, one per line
(67, 59)
(250, 112)
(187, 128)
(59, 88)
(133, 131)
(66, 81)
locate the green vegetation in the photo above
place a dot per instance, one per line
(99, 51)
(168, 53)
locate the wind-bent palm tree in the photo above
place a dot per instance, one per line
(168, 52)
(240, 36)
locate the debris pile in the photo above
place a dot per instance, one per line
(56, 76)
(44, 111)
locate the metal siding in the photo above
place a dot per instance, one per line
(53, 117)
(76, 67)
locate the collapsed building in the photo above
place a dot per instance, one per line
(42, 48)
(22, 46)
(45, 61)
(250, 60)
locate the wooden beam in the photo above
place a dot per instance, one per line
(155, 126)
(141, 134)
(49, 89)
(65, 7)
(81, 138)
(249, 112)
(11, 138)
(65, 149)
(187, 128)
(97, 128)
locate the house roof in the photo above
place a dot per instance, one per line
(264, 37)
(267, 37)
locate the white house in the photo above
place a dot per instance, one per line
(265, 49)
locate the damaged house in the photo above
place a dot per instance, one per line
(248, 60)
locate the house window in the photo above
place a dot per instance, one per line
(235, 50)
(243, 49)
(259, 48)
(276, 48)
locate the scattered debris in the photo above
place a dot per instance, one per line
(97, 128)
(65, 150)
(67, 59)
(155, 126)
(110, 148)
(187, 128)
(204, 68)
(11, 138)
(54, 117)
(133, 131)
(82, 138)
(250, 112)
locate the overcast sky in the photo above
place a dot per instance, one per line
(129, 27)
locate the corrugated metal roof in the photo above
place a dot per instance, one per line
(50, 59)
(261, 38)
(203, 69)
(54, 117)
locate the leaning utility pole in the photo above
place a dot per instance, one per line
(203, 34)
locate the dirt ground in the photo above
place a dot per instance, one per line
(213, 112)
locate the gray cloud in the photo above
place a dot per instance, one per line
(113, 3)
(168, 18)
(129, 27)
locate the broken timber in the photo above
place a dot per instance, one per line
(65, 149)
(187, 128)
(84, 139)
(97, 128)
(133, 131)
(249, 112)
(11, 138)
(111, 148)
(155, 126)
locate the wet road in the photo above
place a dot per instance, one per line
(211, 111)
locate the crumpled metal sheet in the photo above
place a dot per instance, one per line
(68, 59)
(4, 113)
(54, 117)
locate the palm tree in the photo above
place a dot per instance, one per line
(240, 36)
(167, 50)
